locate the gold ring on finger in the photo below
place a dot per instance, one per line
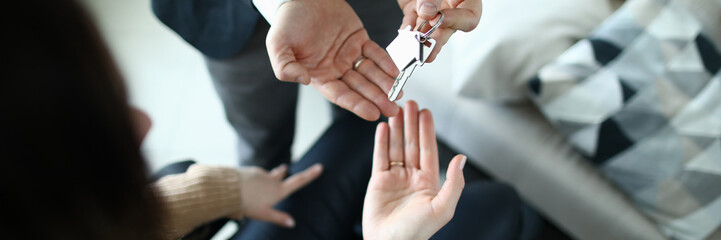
(358, 62)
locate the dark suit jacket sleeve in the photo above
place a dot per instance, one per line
(217, 28)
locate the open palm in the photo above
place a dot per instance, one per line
(317, 42)
(405, 199)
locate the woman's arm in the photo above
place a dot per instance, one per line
(205, 193)
(200, 195)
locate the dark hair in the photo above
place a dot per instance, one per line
(71, 163)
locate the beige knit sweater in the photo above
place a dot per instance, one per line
(200, 195)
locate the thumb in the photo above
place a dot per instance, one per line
(428, 9)
(294, 72)
(276, 217)
(449, 194)
(285, 66)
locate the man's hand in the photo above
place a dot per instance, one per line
(461, 15)
(317, 42)
(404, 199)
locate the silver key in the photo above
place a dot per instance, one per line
(409, 50)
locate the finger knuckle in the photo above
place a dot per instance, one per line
(413, 144)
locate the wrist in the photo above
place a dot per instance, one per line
(200, 195)
(393, 232)
(409, 234)
(221, 187)
(269, 8)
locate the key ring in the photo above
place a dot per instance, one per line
(425, 36)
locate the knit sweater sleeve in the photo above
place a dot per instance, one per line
(200, 195)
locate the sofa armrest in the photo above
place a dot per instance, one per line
(548, 173)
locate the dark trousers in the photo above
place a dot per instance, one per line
(331, 206)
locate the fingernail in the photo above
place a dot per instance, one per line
(429, 9)
(290, 223)
(463, 162)
(317, 167)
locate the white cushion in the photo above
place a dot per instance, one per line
(514, 39)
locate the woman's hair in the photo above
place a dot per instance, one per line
(71, 163)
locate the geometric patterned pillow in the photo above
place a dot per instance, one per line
(641, 98)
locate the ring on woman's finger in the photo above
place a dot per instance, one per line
(397, 163)
(358, 62)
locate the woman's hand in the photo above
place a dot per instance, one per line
(404, 198)
(461, 15)
(261, 190)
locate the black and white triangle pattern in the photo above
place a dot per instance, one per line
(641, 99)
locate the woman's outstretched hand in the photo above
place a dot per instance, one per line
(405, 199)
(261, 190)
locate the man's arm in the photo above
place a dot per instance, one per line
(268, 8)
(313, 42)
(217, 28)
